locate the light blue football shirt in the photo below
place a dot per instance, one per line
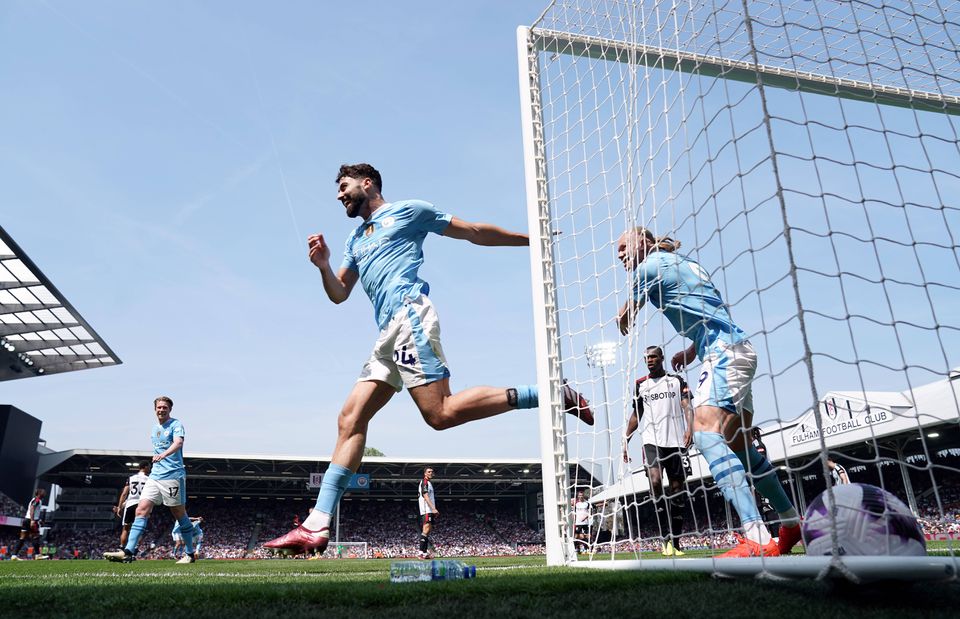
(681, 289)
(387, 251)
(162, 436)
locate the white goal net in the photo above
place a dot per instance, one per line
(806, 155)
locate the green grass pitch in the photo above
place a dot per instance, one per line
(505, 587)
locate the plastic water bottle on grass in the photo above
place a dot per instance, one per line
(411, 571)
(453, 570)
(436, 570)
(444, 570)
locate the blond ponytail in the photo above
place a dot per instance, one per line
(657, 243)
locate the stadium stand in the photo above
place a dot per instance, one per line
(467, 528)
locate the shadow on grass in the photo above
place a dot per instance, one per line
(522, 592)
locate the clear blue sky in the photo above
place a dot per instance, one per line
(163, 164)
(148, 150)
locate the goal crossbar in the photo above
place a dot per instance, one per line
(613, 50)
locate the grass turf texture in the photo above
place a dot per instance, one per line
(505, 587)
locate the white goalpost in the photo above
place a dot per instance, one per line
(807, 156)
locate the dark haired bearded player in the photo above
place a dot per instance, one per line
(384, 254)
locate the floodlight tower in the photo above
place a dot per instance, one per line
(602, 356)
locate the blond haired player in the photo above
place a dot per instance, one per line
(723, 402)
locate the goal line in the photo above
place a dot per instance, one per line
(857, 569)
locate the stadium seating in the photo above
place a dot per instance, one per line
(391, 529)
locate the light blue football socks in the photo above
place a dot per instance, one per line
(335, 482)
(729, 474)
(768, 484)
(527, 396)
(186, 532)
(136, 530)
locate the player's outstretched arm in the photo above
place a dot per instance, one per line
(337, 285)
(485, 234)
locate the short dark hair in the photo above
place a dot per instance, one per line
(163, 398)
(360, 171)
(656, 348)
(146, 466)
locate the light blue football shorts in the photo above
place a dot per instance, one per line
(408, 352)
(726, 377)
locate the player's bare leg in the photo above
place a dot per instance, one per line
(442, 409)
(734, 427)
(365, 399)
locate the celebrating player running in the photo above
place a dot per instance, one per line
(384, 254)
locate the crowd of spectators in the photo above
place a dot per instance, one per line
(689, 541)
(943, 516)
(390, 528)
(226, 536)
(9, 507)
(234, 529)
(707, 526)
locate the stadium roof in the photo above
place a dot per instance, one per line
(40, 332)
(852, 418)
(254, 476)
